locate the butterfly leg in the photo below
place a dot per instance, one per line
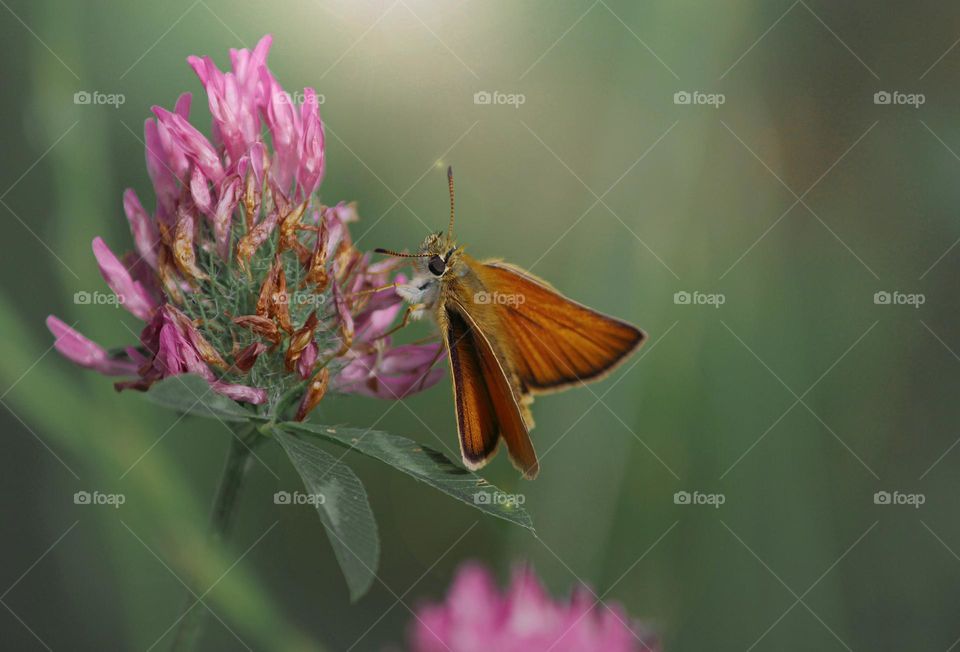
(412, 312)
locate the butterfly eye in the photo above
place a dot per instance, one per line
(436, 265)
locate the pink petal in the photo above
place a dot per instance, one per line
(134, 297)
(144, 231)
(307, 360)
(191, 142)
(247, 64)
(164, 181)
(243, 393)
(345, 212)
(411, 358)
(336, 232)
(77, 348)
(236, 116)
(235, 98)
(474, 597)
(175, 154)
(223, 215)
(432, 631)
(531, 613)
(343, 311)
(399, 387)
(284, 124)
(310, 148)
(135, 355)
(239, 169)
(373, 323)
(177, 353)
(206, 70)
(182, 107)
(394, 374)
(258, 158)
(384, 267)
(150, 335)
(143, 274)
(169, 359)
(200, 191)
(476, 618)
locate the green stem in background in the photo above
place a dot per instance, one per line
(221, 522)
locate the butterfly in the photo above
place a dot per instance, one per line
(508, 336)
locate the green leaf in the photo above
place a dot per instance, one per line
(344, 509)
(426, 465)
(192, 394)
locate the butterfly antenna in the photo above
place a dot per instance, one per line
(399, 254)
(450, 186)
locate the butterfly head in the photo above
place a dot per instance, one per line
(439, 255)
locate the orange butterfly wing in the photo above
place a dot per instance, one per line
(557, 342)
(487, 407)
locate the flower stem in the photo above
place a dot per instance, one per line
(221, 521)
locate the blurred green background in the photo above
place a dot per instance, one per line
(796, 200)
